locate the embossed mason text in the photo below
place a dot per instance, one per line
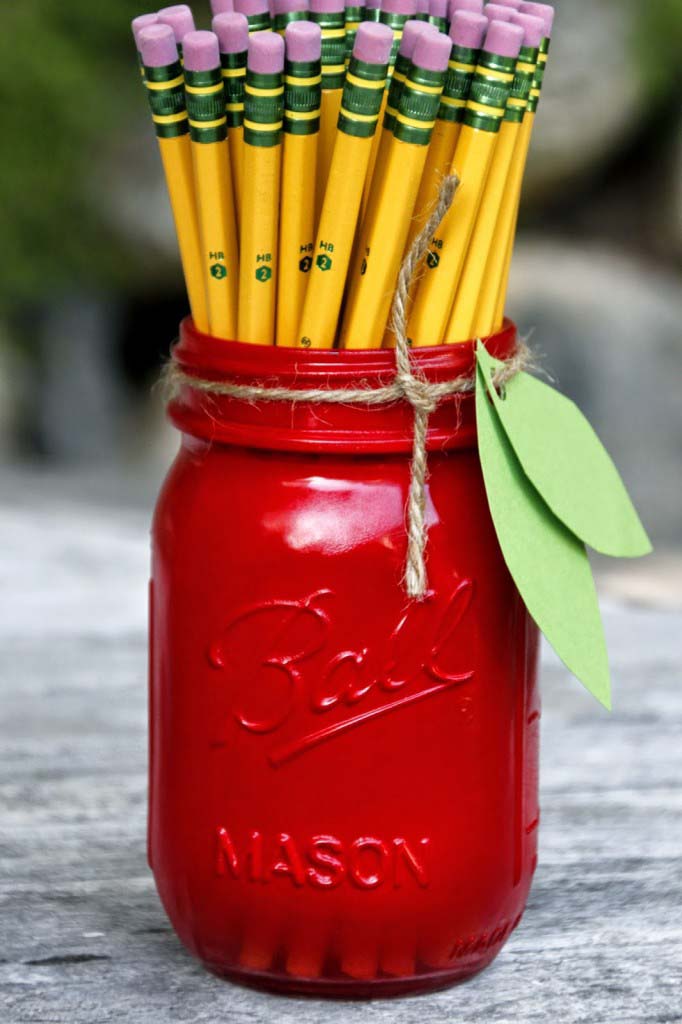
(322, 861)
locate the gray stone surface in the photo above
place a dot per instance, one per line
(84, 939)
(593, 99)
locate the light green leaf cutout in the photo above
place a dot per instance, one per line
(565, 460)
(547, 562)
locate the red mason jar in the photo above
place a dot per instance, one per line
(343, 795)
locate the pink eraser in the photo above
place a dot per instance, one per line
(354, 3)
(232, 30)
(287, 6)
(438, 8)
(533, 28)
(468, 29)
(266, 53)
(432, 51)
(221, 7)
(327, 6)
(373, 43)
(303, 41)
(201, 51)
(411, 33)
(157, 46)
(180, 19)
(497, 13)
(374, 5)
(515, 4)
(476, 6)
(544, 11)
(503, 39)
(405, 7)
(143, 21)
(251, 7)
(422, 6)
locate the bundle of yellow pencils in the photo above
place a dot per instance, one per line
(304, 143)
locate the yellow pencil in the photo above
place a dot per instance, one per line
(362, 93)
(484, 112)
(490, 313)
(412, 30)
(232, 30)
(165, 89)
(463, 321)
(466, 32)
(213, 181)
(263, 115)
(395, 14)
(386, 223)
(302, 81)
(330, 15)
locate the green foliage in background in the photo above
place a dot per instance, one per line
(69, 88)
(658, 44)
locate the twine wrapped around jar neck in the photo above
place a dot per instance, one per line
(407, 385)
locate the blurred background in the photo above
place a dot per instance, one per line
(91, 290)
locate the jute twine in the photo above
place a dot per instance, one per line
(407, 385)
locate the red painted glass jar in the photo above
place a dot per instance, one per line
(343, 783)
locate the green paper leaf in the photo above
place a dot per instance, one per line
(546, 560)
(565, 460)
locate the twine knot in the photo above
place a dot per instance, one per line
(422, 395)
(418, 392)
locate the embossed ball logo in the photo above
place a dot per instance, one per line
(296, 678)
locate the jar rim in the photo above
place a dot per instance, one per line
(296, 426)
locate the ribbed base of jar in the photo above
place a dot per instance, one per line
(352, 988)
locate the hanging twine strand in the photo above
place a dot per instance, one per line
(407, 385)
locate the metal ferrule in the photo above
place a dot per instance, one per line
(489, 93)
(205, 98)
(458, 78)
(418, 107)
(234, 79)
(361, 100)
(166, 94)
(442, 24)
(263, 109)
(353, 19)
(280, 21)
(302, 95)
(396, 22)
(259, 22)
(522, 84)
(402, 66)
(333, 28)
(539, 76)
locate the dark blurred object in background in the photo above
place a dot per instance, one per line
(91, 290)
